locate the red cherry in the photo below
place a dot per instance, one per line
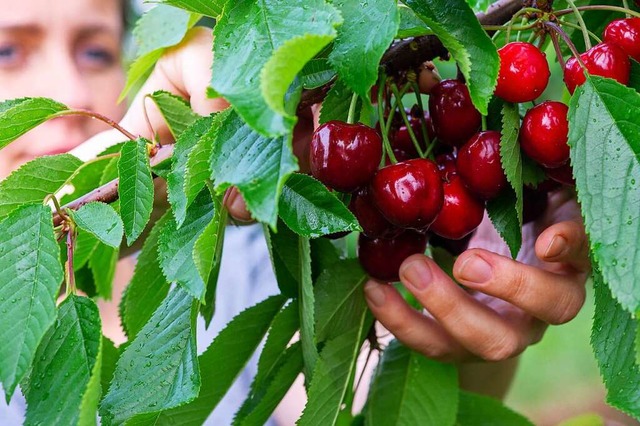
(344, 156)
(381, 257)
(544, 134)
(446, 165)
(455, 247)
(402, 140)
(625, 33)
(534, 203)
(409, 194)
(455, 119)
(461, 213)
(562, 174)
(524, 72)
(479, 165)
(373, 224)
(604, 59)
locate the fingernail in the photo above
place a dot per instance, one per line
(237, 203)
(417, 274)
(375, 293)
(556, 246)
(475, 270)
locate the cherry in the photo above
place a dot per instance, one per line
(562, 174)
(534, 203)
(604, 59)
(381, 257)
(625, 33)
(461, 213)
(344, 156)
(409, 194)
(455, 119)
(479, 165)
(455, 247)
(544, 134)
(402, 140)
(524, 72)
(446, 165)
(373, 224)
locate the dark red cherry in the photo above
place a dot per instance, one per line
(562, 174)
(604, 59)
(534, 203)
(479, 165)
(344, 156)
(373, 224)
(409, 194)
(544, 134)
(381, 257)
(524, 72)
(402, 140)
(461, 213)
(625, 33)
(446, 165)
(455, 247)
(454, 117)
(400, 155)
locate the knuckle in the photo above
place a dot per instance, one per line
(503, 347)
(567, 308)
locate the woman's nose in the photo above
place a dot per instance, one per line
(65, 82)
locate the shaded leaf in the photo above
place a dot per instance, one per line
(285, 258)
(480, 410)
(103, 264)
(101, 220)
(317, 72)
(176, 111)
(336, 104)
(502, 212)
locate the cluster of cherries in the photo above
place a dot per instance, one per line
(399, 206)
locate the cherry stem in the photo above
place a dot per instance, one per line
(567, 40)
(69, 273)
(484, 123)
(556, 46)
(625, 4)
(583, 26)
(56, 204)
(100, 117)
(395, 106)
(572, 25)
(598, 7)
(423, 121)
(383, 127)
(352, 108)
(516, 16)
(403, 114)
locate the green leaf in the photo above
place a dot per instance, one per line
(310, 210)
(198, 168)
(285, 258)
(91, 397)
(31, 277)
(148, 286)
(101, 220)
(503, 215)
(532, 173)
(278, 38)
(211, 8)
(480, 410)
(411, 389)
(110, 355)
(85, 246)
(457, 27)
(135, 188)
(604, 136)
(103, 264)
(332, 374)
(223, 361)
(258, 166)
(317, 72)
(64, 367)
(339, 298)
(410, 24)
(176, 246)
(159, 369)
(207, 256)
(139, 70)
(38, 178)
(588, 419)
(612, 339)
(480, 5)
(336, 104)
(18, 116)
(306, 300)
(85, 179)
(370, 29)
(176, 111)
(510, 154)
(176, 179)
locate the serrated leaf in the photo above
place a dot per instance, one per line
(110, 355)
(411, 389)
(612, 338)
(360, 44)
(223, 361)
(306, 300)
(331, 377)
(457, 27)
(101, 220)
(317, 72)
(207, 256)
(410, 24)
(31, 277)
(339, 298)
(310, 210)
(285, 258)
(198, 167)
(481, 410)
(139, 70)
(258, 166)
(532, 174)
(336, 104)
(135, 188)
(148, 286)
(211, 8)
(176, 111)
(175, 246)
(502, 212)
(510, 152)
(64, 365)
(278, 38)
(35, 180)
(18, 116)
(85, 179)
(159, 369)
(176, 179)
(86, 244)
(604, 136)
(103, 264)
(91, 397)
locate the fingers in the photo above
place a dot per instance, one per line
(553, 298)
(236, 206)
(565, 242)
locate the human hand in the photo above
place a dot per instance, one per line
(506, 305)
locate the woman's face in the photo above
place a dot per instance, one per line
(67, 50)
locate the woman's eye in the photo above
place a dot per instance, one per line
(9, 55)
(97, 57)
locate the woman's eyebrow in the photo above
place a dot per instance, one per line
(27, 28)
